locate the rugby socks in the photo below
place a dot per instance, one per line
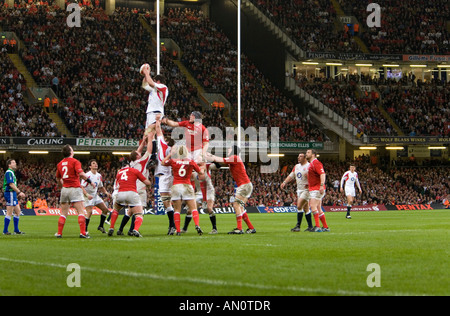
(212, 218)
(349, 207)
(16, 223)
(87, 220)
(169, 212)
(114, 215)
(299, 217)
(176, 219)
(61, 223)
(239, 221)
(133, 218)
(247, 220)
(316, 219)
(125, 220)
(102, 220)
(195, 217)
(82, 223)
(187, 220)
(308, 218)
(7, 221)
(323, 220)
(138, 222)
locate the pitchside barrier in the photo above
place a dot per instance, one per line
(250, 209)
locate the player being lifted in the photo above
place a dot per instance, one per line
(182, 189)
(92, 198)
(156, 101)
(350, 177)
(244, 187)
(300, 174)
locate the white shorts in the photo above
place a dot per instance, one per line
(128, 198)
(244, 190)
(165, 183)
(95, 201)
(303, 194)
(151, 118)
(196, 155)
(143, 196)
(183, 192)
(71, 195)
(316, 195)
(350, 191)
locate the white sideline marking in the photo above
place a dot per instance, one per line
(214, 282)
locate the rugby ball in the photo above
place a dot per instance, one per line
(144, 66)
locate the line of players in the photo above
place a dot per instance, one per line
(174, 168)
(310, 177)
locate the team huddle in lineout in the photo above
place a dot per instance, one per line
(184, 173)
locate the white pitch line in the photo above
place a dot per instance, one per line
(214, 282)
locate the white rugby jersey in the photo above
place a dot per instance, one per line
(163, 152)
(350, 178)
(141, 165)
(157, 97)
(300, 174)
(95, 178)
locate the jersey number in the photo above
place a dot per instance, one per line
(182, 171)
(123, 175)
(65, 171)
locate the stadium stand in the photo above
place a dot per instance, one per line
(407, 26)
(17, 117)
(311, 24)
(211, 57)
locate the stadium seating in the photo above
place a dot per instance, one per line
(418, 27)
(17, 118)
(311, 24)
(211, 57)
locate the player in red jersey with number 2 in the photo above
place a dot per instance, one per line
(68, 173)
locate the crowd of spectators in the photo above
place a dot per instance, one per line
(402, 183)
(311, 24)
(342, 97)
(212, 58)
(415, 26)
(17, 117)
(419, 110)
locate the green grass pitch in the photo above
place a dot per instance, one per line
(411, 249)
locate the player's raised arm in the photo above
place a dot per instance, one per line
(170, 122)
(148, 78)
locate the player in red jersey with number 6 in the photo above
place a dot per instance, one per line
(182, 190)
(68, 173)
